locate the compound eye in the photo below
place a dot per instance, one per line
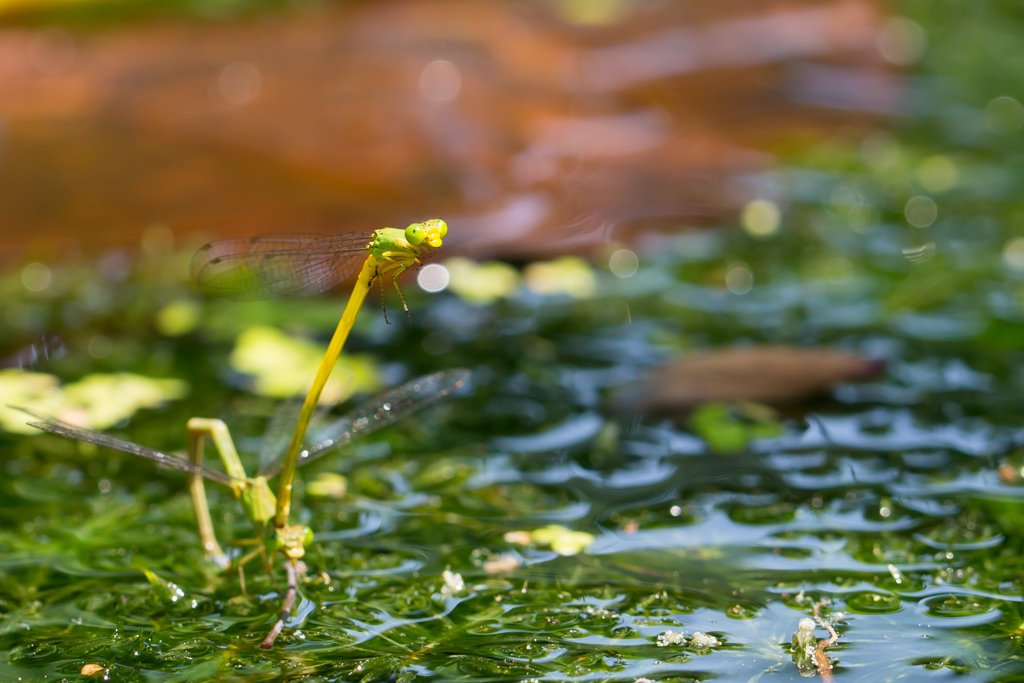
(442, 227)
(414, 234)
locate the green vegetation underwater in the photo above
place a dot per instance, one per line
(530, 527)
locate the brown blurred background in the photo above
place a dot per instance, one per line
(532, 127)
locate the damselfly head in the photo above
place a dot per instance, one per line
(430, 232)
(435, 230)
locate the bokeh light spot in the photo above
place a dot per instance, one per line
(623, 263)
(761, 218)
(902, 41)
(36, 277)
(100, 346)
(437, 343)
(440, 81)
(881, 151)
(839, 270)
(179, 317)
(846, 200)
(1013, 253)
(739, 279)
(921, 212)
(937, 173)
(433, 278)
(239, 83)
(1004, 116)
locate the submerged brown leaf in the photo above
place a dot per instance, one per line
(774, 375)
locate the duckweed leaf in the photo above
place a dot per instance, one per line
(560, 539)
(728, 429)
(97, 401)
(282, 366)
(481, 283)
(568, 275)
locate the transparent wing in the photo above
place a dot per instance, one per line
(378, 412)
(270, 266)
(280, 427)
(106, 440)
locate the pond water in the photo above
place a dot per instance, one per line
(896, 505)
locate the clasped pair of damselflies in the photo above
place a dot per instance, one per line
(291, 265)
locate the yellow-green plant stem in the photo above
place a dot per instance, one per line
(348, 318)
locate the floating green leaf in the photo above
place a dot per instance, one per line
(560, 539)
(108, 399)
(96, 401)
(34, 390)
(566, 275)
(481, 283)
(729, 428)
(283, 366)
(178, 317)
